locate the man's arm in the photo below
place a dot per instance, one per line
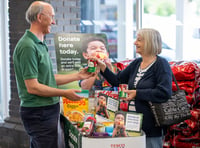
(36, 88)
(67, 78)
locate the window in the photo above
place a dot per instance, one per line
(191, 29)
(115, 19)
(177, 21)
(4, 61)
(161, 15)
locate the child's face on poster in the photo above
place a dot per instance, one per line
(119, 120)
(95, 48)
(102, 100)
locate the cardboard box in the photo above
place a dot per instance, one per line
(122, 142)
(74, 139)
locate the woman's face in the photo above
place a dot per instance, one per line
(139, 43)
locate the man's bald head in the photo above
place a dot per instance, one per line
(35, 8)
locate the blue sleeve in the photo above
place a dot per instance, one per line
(111, 77)
(122, 77)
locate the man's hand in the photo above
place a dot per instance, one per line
(71, 95)
(84, 74)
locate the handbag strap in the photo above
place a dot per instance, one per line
(175, 81)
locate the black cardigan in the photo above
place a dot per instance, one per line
(155, 86)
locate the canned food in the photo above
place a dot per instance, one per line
(92, 65)
(123, 87)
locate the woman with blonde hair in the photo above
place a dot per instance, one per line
(149, 78)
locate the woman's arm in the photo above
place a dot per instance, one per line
(122, 77)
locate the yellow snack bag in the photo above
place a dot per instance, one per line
(75, 110)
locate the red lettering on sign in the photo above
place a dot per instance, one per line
(117, 145)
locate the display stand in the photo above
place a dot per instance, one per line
(74, 139)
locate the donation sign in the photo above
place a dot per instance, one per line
(69, 53)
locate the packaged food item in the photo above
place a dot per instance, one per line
(92, 106)
(75, 110)
(100, 135)
(131, 106)
(100, 128)
(92, 65)
(123, 87)
(88, 127)
(124, 105)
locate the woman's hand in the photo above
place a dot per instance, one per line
(131, 95)
(108, 63)
(101, 64)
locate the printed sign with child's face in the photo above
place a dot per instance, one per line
(96, 48)
(73, 50)
(107, 104)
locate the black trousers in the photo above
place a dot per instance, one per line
(41, 124)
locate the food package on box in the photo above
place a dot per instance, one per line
(75, 110)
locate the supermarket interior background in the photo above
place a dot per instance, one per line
(178, 21)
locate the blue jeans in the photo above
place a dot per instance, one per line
(41, 124)
(154, 142)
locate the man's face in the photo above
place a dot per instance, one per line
(96, 48)
(47, 19)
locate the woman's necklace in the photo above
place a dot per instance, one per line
(141, 71)
(144, 66)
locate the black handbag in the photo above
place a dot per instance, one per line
(174, 111)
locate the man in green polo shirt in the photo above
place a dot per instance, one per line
(36, 82)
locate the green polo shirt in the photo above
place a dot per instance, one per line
(31, 60)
